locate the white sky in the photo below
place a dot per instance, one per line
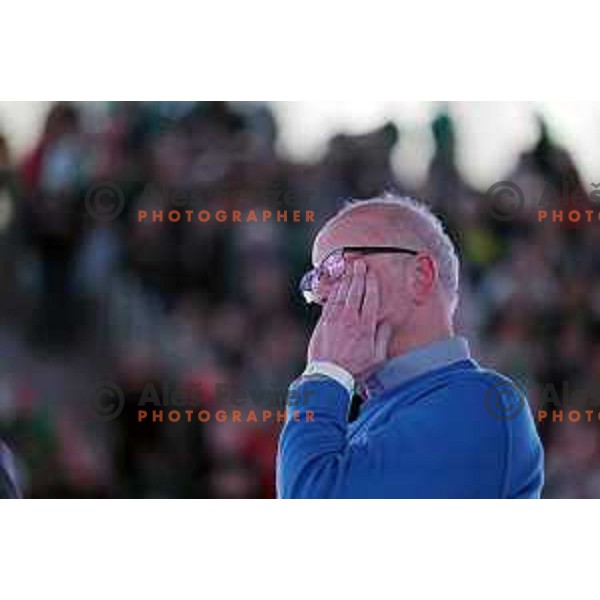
(489, 134)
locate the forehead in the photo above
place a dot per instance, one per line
(354, 229)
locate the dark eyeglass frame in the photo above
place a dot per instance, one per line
(307, 281)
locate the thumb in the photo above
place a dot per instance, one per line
(383, 335)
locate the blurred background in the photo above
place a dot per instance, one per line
(85, 300)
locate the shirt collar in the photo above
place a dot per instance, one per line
(413, 363)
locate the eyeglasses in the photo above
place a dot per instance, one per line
(333, 266)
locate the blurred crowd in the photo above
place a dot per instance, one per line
(89, 296)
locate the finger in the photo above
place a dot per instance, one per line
(383, 336)
(356, 290)
(335, 301)
(370, 305)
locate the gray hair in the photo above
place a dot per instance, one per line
(427, 227)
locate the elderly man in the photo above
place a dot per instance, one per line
(433, 423)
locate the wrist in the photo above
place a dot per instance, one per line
(333, 371)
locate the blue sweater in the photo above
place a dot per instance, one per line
(448, 432)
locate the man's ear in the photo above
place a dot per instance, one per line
(425, 276)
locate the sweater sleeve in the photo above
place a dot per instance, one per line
(314, 455)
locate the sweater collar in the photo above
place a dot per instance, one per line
(403, 368)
